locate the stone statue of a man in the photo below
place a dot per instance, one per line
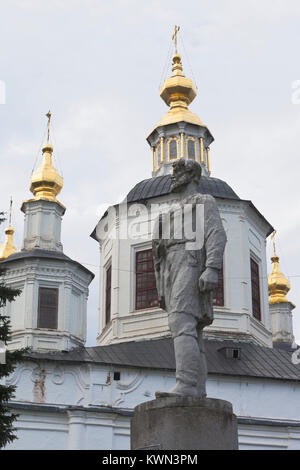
(186, 278)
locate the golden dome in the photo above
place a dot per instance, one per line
(8, 247)
(45, 182)
(278, 285)
(177, 87)
(178, 92)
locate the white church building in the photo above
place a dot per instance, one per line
(70, 396)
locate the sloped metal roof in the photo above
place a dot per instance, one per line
(160, 185)
(44, 254)
(158, 354)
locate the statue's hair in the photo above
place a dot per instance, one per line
(190, 166)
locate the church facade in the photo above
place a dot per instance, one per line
(74, 397)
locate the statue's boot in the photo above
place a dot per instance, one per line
(187, 368)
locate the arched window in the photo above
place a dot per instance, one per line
(172, 148)
(191, 148)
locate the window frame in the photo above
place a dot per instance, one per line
(177, 147)
(220, 287)
(190, 138)
(256, 314)
(137, 252)
(108, 269)
(39, 315)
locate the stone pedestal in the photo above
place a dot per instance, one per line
(184, 423)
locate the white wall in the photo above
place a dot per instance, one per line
(99, 417)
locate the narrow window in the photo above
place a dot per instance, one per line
(191, 149)
(146, 293)
(108, 296)
(219, 292)
(172, 149)
(47, 308)
(255, 289)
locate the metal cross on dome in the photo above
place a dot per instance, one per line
(10, 210)
(273, 240)
(174, 37)
(48, 115)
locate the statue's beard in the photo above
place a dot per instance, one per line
(178, 185)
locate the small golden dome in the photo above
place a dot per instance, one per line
(8, 247)
(178, 92)
(45, 182)
(278, 285)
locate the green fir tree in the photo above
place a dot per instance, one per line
(8, 361)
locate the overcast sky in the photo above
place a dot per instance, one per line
(98, 65)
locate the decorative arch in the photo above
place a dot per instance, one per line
(173, 148)
(191, 149)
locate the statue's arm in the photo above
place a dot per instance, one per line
(156, 244)
(155, 255)
(215, 241)
(158, 253)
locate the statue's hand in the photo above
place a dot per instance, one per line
(208, 280)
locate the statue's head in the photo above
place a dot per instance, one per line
(184, 172)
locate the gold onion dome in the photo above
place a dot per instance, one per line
(278, 285)
(178, 92)
(8, 247)
(45, 182)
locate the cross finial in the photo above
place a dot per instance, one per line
(273, 239)
(10, 210)
(48, 115)
(174, 37)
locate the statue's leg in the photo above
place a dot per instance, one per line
(184, 331)
(187, 365)
(203, 367)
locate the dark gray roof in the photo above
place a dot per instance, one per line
(47, 254)
(160, 185)
(256, 361)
